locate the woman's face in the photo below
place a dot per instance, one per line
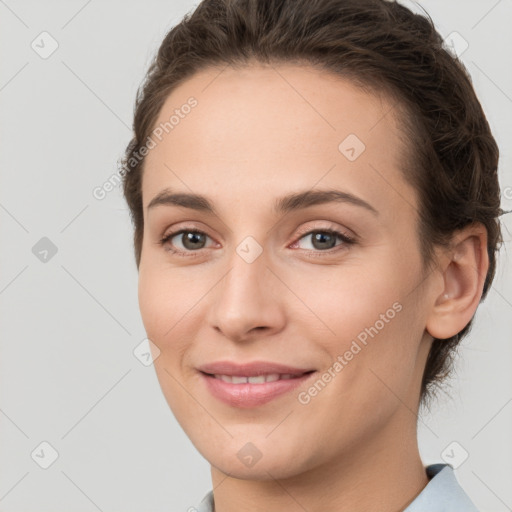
(344, 315)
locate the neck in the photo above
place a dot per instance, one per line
(385, 474)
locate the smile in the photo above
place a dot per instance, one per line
(251, 384)
(259, 379)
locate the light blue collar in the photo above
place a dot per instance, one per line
(442, 494)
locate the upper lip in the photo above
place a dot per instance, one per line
(252, 369)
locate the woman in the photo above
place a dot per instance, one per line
(314, 192)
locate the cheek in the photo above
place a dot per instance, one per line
(165, 301)
(351, 300)
(370, 318)
(163, 296)
(169, 302)
(151, 300)
(376, 368)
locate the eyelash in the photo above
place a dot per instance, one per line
(347, 241)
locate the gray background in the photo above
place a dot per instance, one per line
(70, 324)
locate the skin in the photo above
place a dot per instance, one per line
(257, 134)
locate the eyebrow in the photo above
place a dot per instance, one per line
(291, 202)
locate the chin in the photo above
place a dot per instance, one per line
(259, 459)
(263, 470)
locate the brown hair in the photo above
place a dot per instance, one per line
(452, 157)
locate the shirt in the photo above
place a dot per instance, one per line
(443, 493)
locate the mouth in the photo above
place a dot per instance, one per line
(253, 384)
(256, 379)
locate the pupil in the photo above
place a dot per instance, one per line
(192, 238)
(320, 237)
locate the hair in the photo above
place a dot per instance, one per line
(451, 156)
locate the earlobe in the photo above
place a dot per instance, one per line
(463, 280)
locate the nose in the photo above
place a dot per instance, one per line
(248, 300)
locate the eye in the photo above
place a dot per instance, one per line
(192, 240)
(325, 239)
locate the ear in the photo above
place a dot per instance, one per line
(463, 271)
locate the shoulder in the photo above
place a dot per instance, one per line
(442, 494)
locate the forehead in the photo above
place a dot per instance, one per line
(274, 126)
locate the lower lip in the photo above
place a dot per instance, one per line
(251, 395)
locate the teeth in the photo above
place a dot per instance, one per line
(225, 378)
(259, 379)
